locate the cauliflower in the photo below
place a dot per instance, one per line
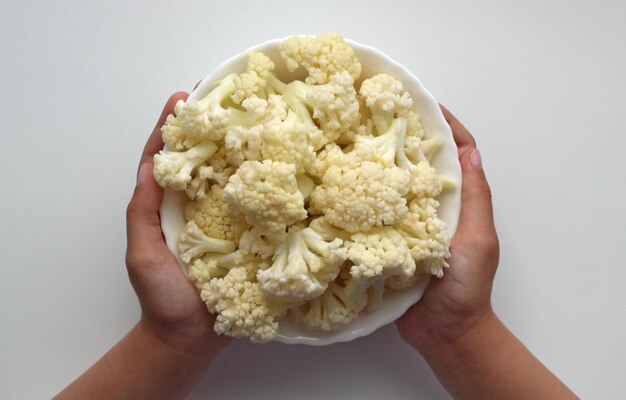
(426, 235)
(385, 97)
(305, 185)
(414, 124)
(212, 265)
(292, 142)
(332, 310)
(243, 310)
(254, 241)
(363, 189)
(267, 194)
(174, 169)
(206, 118)
(302, 266)
(215, 217)
(243, 142)
(200, 185)
(334, 104)
(419, 149)
(322, 227)
(358, 196)
(398, 282)
(377, 255)
(216, 265)
(305, 196)
(193, 243)
(389, 149)
(172, 133)
(322, 56)
(258, 80)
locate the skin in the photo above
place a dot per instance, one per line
(167, 352)
(453, 326)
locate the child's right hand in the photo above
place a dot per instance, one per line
(455, 304)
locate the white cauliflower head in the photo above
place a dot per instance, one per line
(243, 310)
(334, 104)
(322, 56)
(332, 310)
(193, 243)
(385, 97)
(267, 194)
(174, 169)
(426, 235)
(358, 196)
(215, 217)
(377, 255)
(302, 266)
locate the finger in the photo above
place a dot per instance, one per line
(462, 137)
(143, 225)
(155, 143)
(476, 219)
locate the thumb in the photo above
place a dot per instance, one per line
(143, 225)
(476, 207)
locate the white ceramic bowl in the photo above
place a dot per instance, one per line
(395, 303)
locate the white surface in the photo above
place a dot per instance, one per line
(540, 85)
(394, 303)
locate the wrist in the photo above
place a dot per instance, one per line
(195, 350)
(428, 330)
(461, 347)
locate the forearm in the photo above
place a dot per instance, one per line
(491, 363)
(141, 366)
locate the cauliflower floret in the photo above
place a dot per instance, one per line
(200, 185)
(267, 194)
(398, 282)
(305, 185)
(258, 80)
(425, 180)
(334, 104)
(215, 217)
(206, 118)
(426, 235)
(302, 266)
(174, 169)
(322, 227)
(359, 195)
(332, 310)
(193, 243)
(389, 149)
(385, 97)
(173, 135)
(243, 310)
(254, 241)
(292, 142)
(330, 155)
(243, 142)
(377, 255)
(209, 117)
(414, 125)
(323, 56)
(215, 265)
(419, 149)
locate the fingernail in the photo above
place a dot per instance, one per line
(143, 174)
(475, 159)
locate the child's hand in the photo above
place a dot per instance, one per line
(171, 307)
(457, 303)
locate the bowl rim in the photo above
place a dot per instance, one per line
(175, 200)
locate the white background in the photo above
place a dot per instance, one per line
(540, 85)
